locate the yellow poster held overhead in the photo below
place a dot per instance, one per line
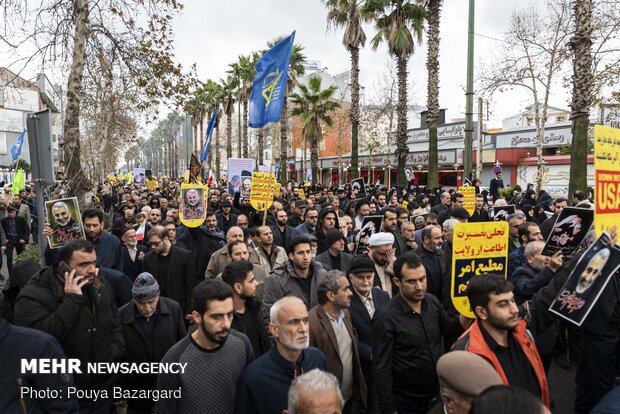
(607, 178)
(477, 249)
(262, 191)
(192, 208)
(469, 198)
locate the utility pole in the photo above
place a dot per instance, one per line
(479, 136)
(469, 94)
(239, 122)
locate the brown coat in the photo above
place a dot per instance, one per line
(323, 337)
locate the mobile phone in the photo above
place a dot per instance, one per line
(62, 269)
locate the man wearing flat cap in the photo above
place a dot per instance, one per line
(334, 258)
(151, 326)
(365, 302)
(462, 377)
(381, 252)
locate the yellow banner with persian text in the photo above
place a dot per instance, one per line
(607, 178)
(477, 249)
(263, 190)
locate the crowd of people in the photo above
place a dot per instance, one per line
(273, 311)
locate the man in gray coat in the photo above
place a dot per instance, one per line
(297, 277)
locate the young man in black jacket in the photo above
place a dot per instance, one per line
(247, 316)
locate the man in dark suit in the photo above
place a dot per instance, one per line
(334, 258)
(133, 253)
(365, 301)
(17, 232)
(172, 267)
(281, 231)
(434, 261)
(331, 331)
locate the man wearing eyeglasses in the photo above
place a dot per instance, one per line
(311, 218)
(173, 267)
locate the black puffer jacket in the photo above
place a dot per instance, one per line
(86, 325)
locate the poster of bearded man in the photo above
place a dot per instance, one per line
(65, 219)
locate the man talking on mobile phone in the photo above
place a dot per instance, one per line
(69, 302)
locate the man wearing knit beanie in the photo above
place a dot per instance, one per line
(151, 325)
(334, 258)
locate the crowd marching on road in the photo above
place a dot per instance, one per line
(282, 311)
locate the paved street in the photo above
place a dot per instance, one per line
(562, 388)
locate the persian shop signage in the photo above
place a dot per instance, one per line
(527, 139)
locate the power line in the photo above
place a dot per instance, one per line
(492, 38)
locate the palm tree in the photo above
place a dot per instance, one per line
(191, 108)
(314, 106)
(581, 44)
(433, 11)
(228, 87)
(399, 24)
(295, 70)
(215, 96)
(244, 72)
(347, 14)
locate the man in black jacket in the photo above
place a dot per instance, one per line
(17, 233)
(282, 232)
(151, 326)
(172, 267)
(407, 342)
(247, 315)
(206, 240)
(76, 308)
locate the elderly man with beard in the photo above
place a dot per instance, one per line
(264, 384)
(151, 326)
(214, 357)
(382, 254)
(331, 331)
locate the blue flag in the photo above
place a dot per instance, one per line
(16, 149)
(209, 135)
(269, 86)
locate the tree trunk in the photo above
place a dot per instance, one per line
(261, 145)
(217, 148)
(195, 126)
(432, 66)
(200, 141)
(354, 114)
(175, 170)
(229, 153)
(73, 168)
(284, 142)
(314, 158)
(245, 129)
(401, 127)
(581, 44)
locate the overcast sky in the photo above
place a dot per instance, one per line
(213, 34)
